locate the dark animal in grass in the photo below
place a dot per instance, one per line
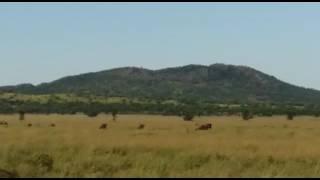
(29, 125)
(103, 126)
(141, 126)
(52, 125)
(204, 127)
(3, 123)
(209, 125)
(8, 174)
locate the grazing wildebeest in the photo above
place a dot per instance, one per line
(209, 125)
(4, 123)
(52, 125)
(205, 127)
(141, 126)
(103, 126)
(29, 125)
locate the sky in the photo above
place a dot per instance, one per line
(42, 42)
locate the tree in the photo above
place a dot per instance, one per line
(188, 117)
(246, 115)
(188, 112)
(267, 113)
(124, 101)
(92, 113)
(290, 115)
(21, 115)
(114, 114)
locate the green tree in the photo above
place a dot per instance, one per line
(246, 114)
(21, 115)
(188, 117)
(114, 114)
(290, 115)
(188, 114)
(92, 113)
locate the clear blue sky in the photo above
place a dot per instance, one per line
(41, 42)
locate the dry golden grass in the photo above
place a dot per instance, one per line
(167, 147)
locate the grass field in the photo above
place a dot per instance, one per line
(167, 147)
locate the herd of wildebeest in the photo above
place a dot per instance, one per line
(206, 126)
(5, 124)
(7, 174)
(142, 126)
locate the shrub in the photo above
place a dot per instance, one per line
(114, 114)
(188, 116)
(267, 113)
(246, 115)
(290, 115)
(92, 113)
(21, 115)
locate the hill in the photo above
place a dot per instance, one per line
(214, 83)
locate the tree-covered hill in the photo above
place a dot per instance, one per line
(214, 83)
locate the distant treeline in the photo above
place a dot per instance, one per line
(197, 109)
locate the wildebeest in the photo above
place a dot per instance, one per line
(29, 125)
(209, 125)
(3, 123)
(103, 126)
(205, 127)
(52, 125)
(141, 126)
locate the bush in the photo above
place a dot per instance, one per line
(267, 113)
(246, 115)
(92, 113)
(290, 115)
(21, 115)
(114, 114)
(188, 116)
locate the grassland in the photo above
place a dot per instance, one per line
(167, 147)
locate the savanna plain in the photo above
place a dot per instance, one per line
(167, 146)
